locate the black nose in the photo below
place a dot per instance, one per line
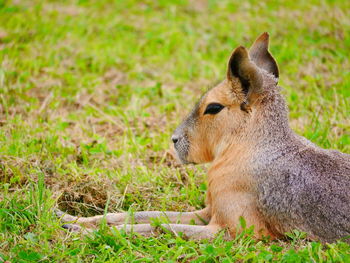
(174, 139)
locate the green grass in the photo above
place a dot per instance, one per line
(90, 92)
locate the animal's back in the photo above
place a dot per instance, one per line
(308, 190)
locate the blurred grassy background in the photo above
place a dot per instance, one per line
(90, 92)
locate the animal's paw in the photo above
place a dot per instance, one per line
(72, 227)
(76, 228)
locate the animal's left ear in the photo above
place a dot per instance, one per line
(241, 67)
(261, 56)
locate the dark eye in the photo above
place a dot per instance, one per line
(213, 108)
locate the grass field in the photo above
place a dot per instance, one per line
(90, 92)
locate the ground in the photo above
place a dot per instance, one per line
(90, 92)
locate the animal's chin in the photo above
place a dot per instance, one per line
(184, 161)
(182, 158)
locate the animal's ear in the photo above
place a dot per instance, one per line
(240, 66)
(261, 56)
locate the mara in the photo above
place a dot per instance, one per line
(260, 169)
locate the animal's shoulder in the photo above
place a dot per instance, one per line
(309, 168)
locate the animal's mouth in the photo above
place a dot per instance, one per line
(182, 159)
(181, 149)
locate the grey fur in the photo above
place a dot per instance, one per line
(299, 185)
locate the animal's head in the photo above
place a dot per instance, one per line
(223, 114)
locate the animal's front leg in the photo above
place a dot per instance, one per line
(231, 206)
(190, 231)
(200, 217)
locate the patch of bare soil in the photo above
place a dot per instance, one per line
(88, 196)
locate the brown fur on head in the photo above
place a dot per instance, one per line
(223, 114)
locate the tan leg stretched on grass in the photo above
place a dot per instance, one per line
(120, 220)
(190, 231)
(200, 217)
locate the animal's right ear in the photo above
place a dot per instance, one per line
(242, 68)
(261, 56)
